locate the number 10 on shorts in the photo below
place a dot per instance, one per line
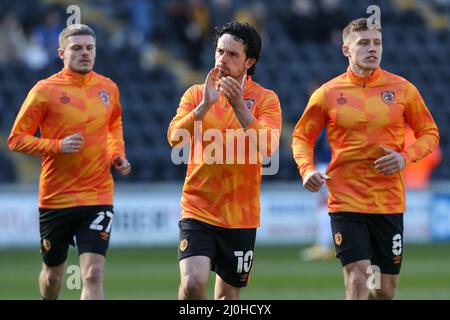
(244, 261)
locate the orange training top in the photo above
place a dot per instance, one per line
(418, 174)
(225, 193)
(360, 116)
(61, 105)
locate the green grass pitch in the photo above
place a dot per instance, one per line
(278, 273)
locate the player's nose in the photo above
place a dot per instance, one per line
(223, 58)
(372, 47)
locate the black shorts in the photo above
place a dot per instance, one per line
(230, 250)
(374, 237)
(89, 225)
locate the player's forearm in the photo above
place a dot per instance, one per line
(201, 110)
(423, 146)
(116, 144)
(33, 145)
(304, 137)
(244, 115)
(178, 126)
(303, 154)
(116, 147)
(265, 138)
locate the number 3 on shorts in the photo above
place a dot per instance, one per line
(96, 224)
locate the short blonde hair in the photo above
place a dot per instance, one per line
(355, 26)
(74, 30)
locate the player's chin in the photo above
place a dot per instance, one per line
(84, 69)
(371, 65)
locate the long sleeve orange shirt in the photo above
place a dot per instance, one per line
(417, 175)
(61, 105)
(226, 194)
(361, 115)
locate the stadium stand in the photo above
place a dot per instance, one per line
(153, 50)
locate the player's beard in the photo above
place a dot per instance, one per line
(241, 76)
(238, 77)
(227, 73)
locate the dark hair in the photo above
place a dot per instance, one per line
(247, 34)
(74, 30)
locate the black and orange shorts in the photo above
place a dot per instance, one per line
(230, 250)
(86, 227)
(367, 236)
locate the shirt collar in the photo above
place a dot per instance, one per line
(363, 81)
(248, 84)
(82, 79)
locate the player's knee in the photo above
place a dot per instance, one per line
(53, 279)
(52, 276)
(357, 281)
(93, 275)
(193, 286)
(386, 292)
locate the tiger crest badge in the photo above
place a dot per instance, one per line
(104, 97)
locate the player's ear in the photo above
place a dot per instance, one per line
(250, 63)
(345, 50)
(61, 53)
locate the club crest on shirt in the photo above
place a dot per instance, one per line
(104, 97)
(388, 96)
(341, 100)
(64, 99)
(249, 103)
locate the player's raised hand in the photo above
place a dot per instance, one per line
(391, 163)
(314, 180)
(122, 165)
(233, 90)
(72, 143)
(211, 93)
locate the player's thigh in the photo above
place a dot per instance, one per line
(196, 249)
(351, 237)
(234, 258)
(94, 228)
(56, 228)
(195, 270)
(196, 238)
(387, 242)
(357, 270)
